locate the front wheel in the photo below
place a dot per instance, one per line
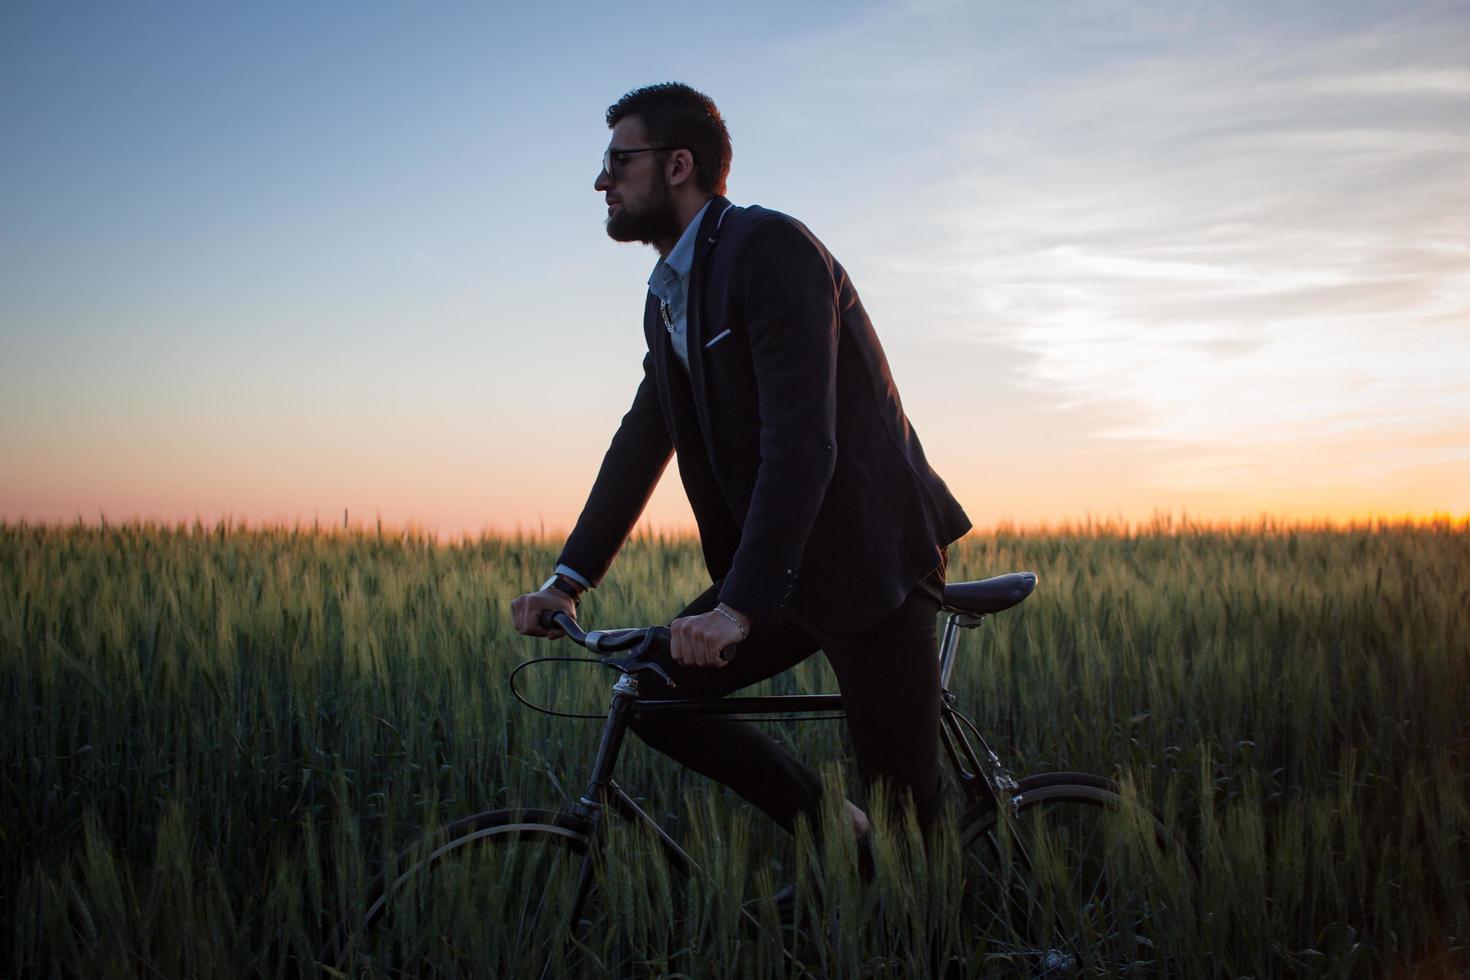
(1069, 879)
(506, 893)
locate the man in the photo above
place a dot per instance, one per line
(822, 525)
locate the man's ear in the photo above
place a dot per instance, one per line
(679, 167)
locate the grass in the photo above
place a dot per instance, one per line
(212, 737)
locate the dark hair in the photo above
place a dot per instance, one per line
(676, 115)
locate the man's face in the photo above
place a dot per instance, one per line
(640, 207)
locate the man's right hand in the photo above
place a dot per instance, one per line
(526, 612)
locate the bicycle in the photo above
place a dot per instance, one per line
(1047, 858)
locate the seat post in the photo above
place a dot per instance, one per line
(950, 641)
(947, 644)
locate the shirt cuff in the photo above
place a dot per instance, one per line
(574, 576)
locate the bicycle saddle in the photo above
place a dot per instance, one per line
(989, 595)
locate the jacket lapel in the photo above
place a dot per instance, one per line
(695, 326)
(694, 314)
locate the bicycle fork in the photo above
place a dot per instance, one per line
(589, 807)
(602, 790)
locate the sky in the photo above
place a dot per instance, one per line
(274, 262)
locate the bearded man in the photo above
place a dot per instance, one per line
(821, 522)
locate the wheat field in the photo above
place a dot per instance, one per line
(212, 737)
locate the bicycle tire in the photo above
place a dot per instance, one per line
(1074, 885)
(488, 895)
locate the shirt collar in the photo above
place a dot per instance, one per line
(681, 257)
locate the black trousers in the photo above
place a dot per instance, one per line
(889, 679)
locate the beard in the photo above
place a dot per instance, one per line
(655, 219)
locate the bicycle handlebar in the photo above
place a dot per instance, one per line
(604, 641)
(646, 642)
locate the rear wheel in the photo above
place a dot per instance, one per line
(507, 893)
(1072, 881)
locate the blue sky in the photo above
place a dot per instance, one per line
(277, 260)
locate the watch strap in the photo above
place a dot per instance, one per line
(560, 584)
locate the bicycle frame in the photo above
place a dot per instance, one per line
(998, 801)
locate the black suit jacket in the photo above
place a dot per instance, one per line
(809, 486)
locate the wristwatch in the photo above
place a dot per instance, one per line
(556, 582)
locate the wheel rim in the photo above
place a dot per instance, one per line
(496, 900)
(1066, 887)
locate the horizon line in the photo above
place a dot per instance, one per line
(1088, 525)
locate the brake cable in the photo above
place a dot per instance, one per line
(550, 711)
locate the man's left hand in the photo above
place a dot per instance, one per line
(699, 640)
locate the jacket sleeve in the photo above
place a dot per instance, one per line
(634, 462)
(786, 282)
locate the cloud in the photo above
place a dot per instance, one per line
(1249, 244)
(1405, 82)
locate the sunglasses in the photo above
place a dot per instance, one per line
(614, 160)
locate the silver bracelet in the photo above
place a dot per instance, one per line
(744, 633)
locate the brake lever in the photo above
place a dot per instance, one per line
(634, 662)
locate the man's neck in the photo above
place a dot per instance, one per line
(686, 209)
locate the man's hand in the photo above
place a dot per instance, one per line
(526, 612)
(698, 641)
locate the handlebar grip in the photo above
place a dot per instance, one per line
(551, 619)
(726, 655)
(662, 636)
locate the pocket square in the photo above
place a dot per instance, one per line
(717, 338)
